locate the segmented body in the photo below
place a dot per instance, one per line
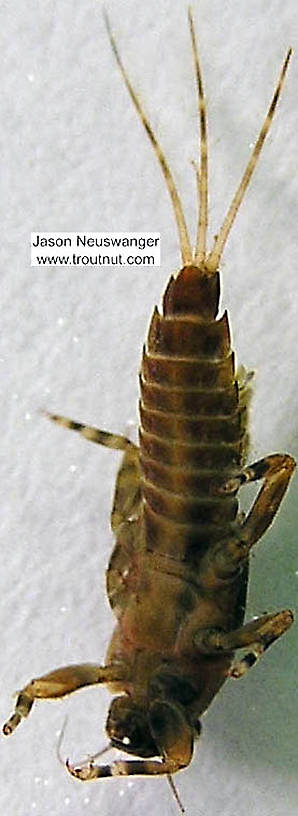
(192, 433)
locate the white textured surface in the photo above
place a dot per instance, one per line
(75, 157)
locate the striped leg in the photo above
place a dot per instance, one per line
(255, 637)
(276, 471)
(127, 489)
(259, 635)
(173, 737)
(109, 440)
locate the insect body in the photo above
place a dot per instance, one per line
(178, 575)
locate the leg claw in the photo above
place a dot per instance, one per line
(84, 774)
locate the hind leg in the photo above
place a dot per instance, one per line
(276, 471)
(105, 438)
(127, 489)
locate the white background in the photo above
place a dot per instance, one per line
(74, 157)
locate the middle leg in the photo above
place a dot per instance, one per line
(255, 637)
(60, 683)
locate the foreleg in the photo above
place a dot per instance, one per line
(174, 740)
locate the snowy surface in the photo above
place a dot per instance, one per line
(75, 157)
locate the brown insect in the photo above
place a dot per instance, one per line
(177, 577)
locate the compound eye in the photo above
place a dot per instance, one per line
(128, 728)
